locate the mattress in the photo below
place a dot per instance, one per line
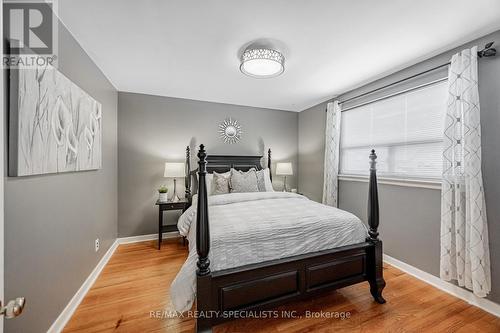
(248, 228)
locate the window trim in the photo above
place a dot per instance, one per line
(434, 184)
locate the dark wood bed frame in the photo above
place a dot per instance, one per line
(223, 294)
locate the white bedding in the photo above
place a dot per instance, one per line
(247, 228)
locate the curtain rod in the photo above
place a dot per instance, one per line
(395, 94)
(488, 51)
(394, 83)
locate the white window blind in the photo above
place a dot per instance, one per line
(405, 130)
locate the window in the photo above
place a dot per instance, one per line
(405, 130)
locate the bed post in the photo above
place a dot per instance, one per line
(376, 279)
(269, 163)
(373, 214)
(187, 180)
(203, 276)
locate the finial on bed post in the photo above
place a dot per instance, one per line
(373, 211)
(202, 231)
(187, 180)
(269, 163)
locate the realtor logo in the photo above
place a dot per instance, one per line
(31, 29)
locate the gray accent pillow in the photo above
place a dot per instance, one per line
(244, 181)
(221, 183)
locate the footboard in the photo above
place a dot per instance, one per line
(222, 295)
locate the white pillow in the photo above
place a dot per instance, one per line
(267, 180)
(264, 181)
(209, 180)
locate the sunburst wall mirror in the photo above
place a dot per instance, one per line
(230, 131)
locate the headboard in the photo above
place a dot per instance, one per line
(220, 164)
(224, 163)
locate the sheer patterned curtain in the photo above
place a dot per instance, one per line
(465, 253)
(332, 140)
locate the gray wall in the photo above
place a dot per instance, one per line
(410, 217)
(312, 151)
(51, 221)
(153, 129)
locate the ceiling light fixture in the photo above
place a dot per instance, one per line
(262, 63)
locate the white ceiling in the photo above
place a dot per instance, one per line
(190, 49)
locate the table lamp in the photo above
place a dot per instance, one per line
(284, 169)
(174, 170)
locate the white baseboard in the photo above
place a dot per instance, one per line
(68, 311)
(142, 238)
(448, 287)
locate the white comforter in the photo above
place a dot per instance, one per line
(247, 228)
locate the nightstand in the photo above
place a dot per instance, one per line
(169, 205)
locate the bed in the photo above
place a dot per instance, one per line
(263, 249)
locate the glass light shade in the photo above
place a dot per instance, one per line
(262, 63)
(174, 170)
(284, 169)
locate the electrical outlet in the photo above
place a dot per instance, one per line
(97, 245)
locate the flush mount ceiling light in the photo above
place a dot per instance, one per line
(262, 63)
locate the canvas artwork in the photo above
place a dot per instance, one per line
(55, 126)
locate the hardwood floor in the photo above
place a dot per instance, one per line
(136, 283)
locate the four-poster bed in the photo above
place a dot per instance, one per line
(267, 284)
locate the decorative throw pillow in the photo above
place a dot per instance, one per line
(221, 183)
(244, 181)
(209, 181)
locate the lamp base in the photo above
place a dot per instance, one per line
(175, 198)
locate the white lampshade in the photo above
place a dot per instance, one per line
(174, 170)
(284, 169)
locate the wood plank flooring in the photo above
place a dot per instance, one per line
(136, 282)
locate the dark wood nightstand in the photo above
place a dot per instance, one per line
(169, 205)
